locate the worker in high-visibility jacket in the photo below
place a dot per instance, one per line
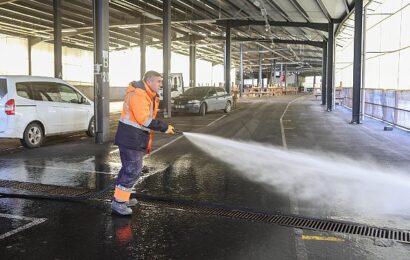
(134, 136)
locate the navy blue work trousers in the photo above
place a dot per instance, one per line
(131, 167)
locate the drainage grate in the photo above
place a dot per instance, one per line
(44, 188)
(301, 222)
(67, 193)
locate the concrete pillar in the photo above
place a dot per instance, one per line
(167, 57)
(192, 61)
(101, 71)
(58, 56)
(357, 60)
(142, 47)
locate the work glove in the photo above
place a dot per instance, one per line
(170, 130)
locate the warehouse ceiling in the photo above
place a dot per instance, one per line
(204, 20)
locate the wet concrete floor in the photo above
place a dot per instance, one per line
(38, 229)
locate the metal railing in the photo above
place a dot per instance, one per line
(389, 105)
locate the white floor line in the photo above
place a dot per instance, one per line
(34, 222)
(165, 145)
(294, 207)
(115, 151)
(216, 120)
(282, 129)
(189, 125)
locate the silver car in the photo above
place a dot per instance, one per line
(202, 100)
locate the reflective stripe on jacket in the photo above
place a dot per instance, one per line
(138, 118)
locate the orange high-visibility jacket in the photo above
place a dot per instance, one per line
(138, 118)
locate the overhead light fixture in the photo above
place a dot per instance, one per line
(127, 26)
(257, 3)
(69, 30)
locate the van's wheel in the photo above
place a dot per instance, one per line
(91, 128)
(202, 109)
(33, 136)
(228, 107)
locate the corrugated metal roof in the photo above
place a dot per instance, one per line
(34, 19)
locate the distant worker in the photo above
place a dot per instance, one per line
(235, 97)
(134, 136)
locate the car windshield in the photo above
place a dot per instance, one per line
(196, 92)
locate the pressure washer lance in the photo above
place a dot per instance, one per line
(177, 132)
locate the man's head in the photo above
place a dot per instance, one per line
(153, 80)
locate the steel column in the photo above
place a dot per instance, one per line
(142, 48)
(192, 61)
(274, 71)
(363, 99)
(324, 72)
(357, 60)
(58, 62)
(286, 76)
(260, 79)
(241, 70)
(101, 71)
(167, 57)
(29, 48)
(330, 66)
(228, 58)
(281, 75)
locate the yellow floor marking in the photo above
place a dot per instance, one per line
(320, 238)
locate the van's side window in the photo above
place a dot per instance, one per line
(23, 90)
(45, 91)
(68, 94)
(175, 84)
(3, 88)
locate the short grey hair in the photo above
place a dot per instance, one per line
(151, 74)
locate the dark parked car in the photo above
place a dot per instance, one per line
(202, 100)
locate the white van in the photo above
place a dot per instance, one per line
(34, 107)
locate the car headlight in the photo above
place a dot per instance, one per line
(194, 102)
